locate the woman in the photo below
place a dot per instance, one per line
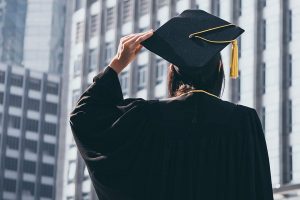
(190, 146)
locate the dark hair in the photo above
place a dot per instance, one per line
(211, 79)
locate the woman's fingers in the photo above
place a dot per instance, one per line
(138, 49)
(144, 37)
(137, 39)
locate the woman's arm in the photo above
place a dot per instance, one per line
(102, 103)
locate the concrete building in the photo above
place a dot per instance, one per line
(267, 82)
(44, 35)
(29, 124)
(12, 27)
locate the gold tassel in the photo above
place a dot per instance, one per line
(234, 66)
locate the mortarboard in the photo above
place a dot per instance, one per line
(191, 39)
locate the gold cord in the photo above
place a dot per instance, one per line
(202, 91)
(234, 50)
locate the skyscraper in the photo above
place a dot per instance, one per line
(12, 27)
(267, 80)
(29, 124)
(44, 35)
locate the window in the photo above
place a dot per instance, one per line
(52, 88)
(85, 196)
(78, 4)
(92, 59)
(79, 32)
(14, 121)
(239, 87)
(28, 188)
(263, 117)
(46, 191)
(11, 163)
(75, 97)
(47, 170)
(33, 104)
(240, 46)
(9, 185)
(239, 8)
(86, 172)
(264, 34)
(2, 77)
(290, 70)
(290, 116)
(77, 65)
(1, 97)
(109, 52)
(51, 108)
(29, 167)
(217, 7)
(124, 82)
(12, 142)
(142, 77)
(49, 149)
(94, 25)
(263, 68)
(290, 178)
(127, 11)
(160, 70)
(161, 3)
(1, 116)
(110, 18)
(15, 100)
(143, 7)
(32, 125)
(290, 25)
(31, 145)
(71, 171)
(16, 80)
(49, 128)
(34, 84)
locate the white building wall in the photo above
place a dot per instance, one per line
(272, 59)
(294, 90)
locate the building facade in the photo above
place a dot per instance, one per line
(267, 82)
(29, 124)
(12, 30)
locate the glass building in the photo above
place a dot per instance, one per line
(267, 82)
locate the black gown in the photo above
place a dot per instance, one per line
(192, 147)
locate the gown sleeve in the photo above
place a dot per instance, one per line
(254, 168)
(103, 123)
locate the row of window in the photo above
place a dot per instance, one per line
(160, 74)
(28, 167)
(33, 83)
(31, 125)
(10, 185)
(127, 15)
(31, 145)
(32, 104)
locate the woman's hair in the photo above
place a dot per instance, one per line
(211, 79)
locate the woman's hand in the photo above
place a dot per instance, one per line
(128, 48)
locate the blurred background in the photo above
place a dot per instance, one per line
(51, 49)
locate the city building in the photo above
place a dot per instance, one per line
(44, 35)
(29, 125)
(267, 82)
(12, 27)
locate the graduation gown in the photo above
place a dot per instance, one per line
(191, 147)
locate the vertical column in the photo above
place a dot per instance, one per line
(284, 96)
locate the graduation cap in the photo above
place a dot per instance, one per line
(191, 39)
